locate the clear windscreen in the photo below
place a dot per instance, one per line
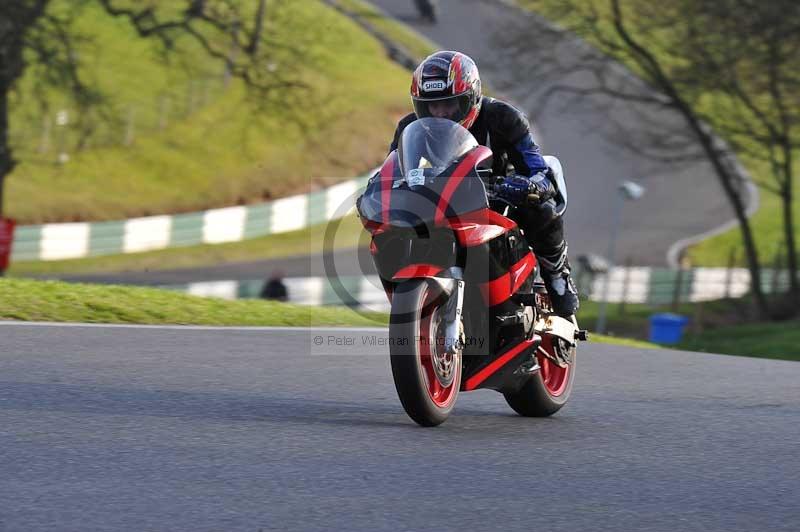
(433, 145)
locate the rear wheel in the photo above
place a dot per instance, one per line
(548, 389)
(427, 378)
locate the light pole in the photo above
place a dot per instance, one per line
(627, 190)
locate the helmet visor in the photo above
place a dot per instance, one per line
(455, 108)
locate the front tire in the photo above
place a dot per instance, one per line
(427, 380)
(547, 391)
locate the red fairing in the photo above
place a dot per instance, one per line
(478, 227)
(498, 290)
(477, 379)
(387, 176)
(417, 270)
(374, 228)
(472, 159)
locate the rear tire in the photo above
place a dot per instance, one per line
(427, 381)
(546, 392)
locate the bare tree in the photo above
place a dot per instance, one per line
(752, 62)
(33, 37)
(730, 65)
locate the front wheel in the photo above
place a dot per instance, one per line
(427, 378)
(547, 390)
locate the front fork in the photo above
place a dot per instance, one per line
(454, 331)
(453, 310)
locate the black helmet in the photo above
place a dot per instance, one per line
(447, 85)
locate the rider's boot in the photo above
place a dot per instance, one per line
(544, 230)
(557, 278)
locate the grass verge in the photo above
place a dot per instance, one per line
(714, 327)
(624, 342)
(761, 340)
(67, 302)
(55, 301)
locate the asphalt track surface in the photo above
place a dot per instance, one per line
(110, 428)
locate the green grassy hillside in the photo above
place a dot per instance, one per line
(193, 143)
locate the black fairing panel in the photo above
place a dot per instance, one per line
(426, 244)
(410, 206)
(401, 247)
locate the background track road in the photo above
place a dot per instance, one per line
(683, 198)
(110, 428)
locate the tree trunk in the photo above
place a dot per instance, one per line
(787, 196)
(6, 160)
(15, 19)
(753, 264)
(726, 180)
(259, 27)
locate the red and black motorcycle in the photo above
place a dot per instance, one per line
(466, 310)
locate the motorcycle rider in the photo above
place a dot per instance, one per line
(447, 85)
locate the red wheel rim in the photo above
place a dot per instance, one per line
(431, 339)
(554, 377)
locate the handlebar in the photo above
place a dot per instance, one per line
(491, 189)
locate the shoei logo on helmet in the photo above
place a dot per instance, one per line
(435, 85)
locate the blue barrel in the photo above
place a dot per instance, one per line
(667, 328)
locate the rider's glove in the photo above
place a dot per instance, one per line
(516, 188)
(542, 186)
